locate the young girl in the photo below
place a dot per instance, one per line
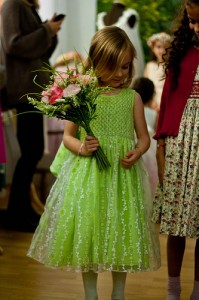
(177, 148)
(154, 69)
(101, 220)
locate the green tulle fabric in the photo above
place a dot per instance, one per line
(100, 220)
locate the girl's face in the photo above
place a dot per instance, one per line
(193, 15)
(159, 50)
(121, 73)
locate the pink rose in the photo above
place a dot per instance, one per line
(59, 79)
(45, 93)
(56, 93)
(45, 96)
(84, 79)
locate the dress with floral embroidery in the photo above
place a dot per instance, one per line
(178, 206)
(100, 220)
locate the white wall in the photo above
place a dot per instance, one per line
(77, 28)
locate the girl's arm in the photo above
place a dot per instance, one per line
(70, 141)
(146, 72)
(160, 157)
(143, 138)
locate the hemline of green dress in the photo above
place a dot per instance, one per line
(100, 220)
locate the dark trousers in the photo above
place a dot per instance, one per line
(31, 141)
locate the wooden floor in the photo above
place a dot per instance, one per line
(21, 278)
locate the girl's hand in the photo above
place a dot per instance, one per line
(91, 144)
(54, 26)
(131, 158)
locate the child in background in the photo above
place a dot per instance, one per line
(146, 89)
(154, 69)
(94, 220)
(177, 138)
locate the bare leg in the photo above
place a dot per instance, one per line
(119, 281)
(195, 292)
(90, 285)
(175, 253)
(197, 260)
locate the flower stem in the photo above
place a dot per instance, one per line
(102, 160)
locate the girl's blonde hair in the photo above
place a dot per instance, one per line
(163, 37)
(107, 52)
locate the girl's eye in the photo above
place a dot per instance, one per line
(125, 67)
(191, 21)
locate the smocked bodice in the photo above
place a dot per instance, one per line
(112, 112)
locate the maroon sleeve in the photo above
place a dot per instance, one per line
(173, 101)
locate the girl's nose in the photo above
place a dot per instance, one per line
(119, 73)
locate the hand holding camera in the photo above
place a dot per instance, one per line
(55, 23)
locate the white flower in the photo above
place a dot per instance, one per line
(71, 90)
(45, 99)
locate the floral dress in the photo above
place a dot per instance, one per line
(100, 220)
(178, 209)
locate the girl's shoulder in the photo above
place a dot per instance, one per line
(118, 92)
(124, 95)
(128, 92)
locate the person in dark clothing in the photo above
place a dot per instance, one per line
(27, 44)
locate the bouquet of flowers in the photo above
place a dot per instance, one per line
(72, 96)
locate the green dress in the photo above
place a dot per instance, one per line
(100, 220)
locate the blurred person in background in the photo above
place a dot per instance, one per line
(27, 44)
(154, 69)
